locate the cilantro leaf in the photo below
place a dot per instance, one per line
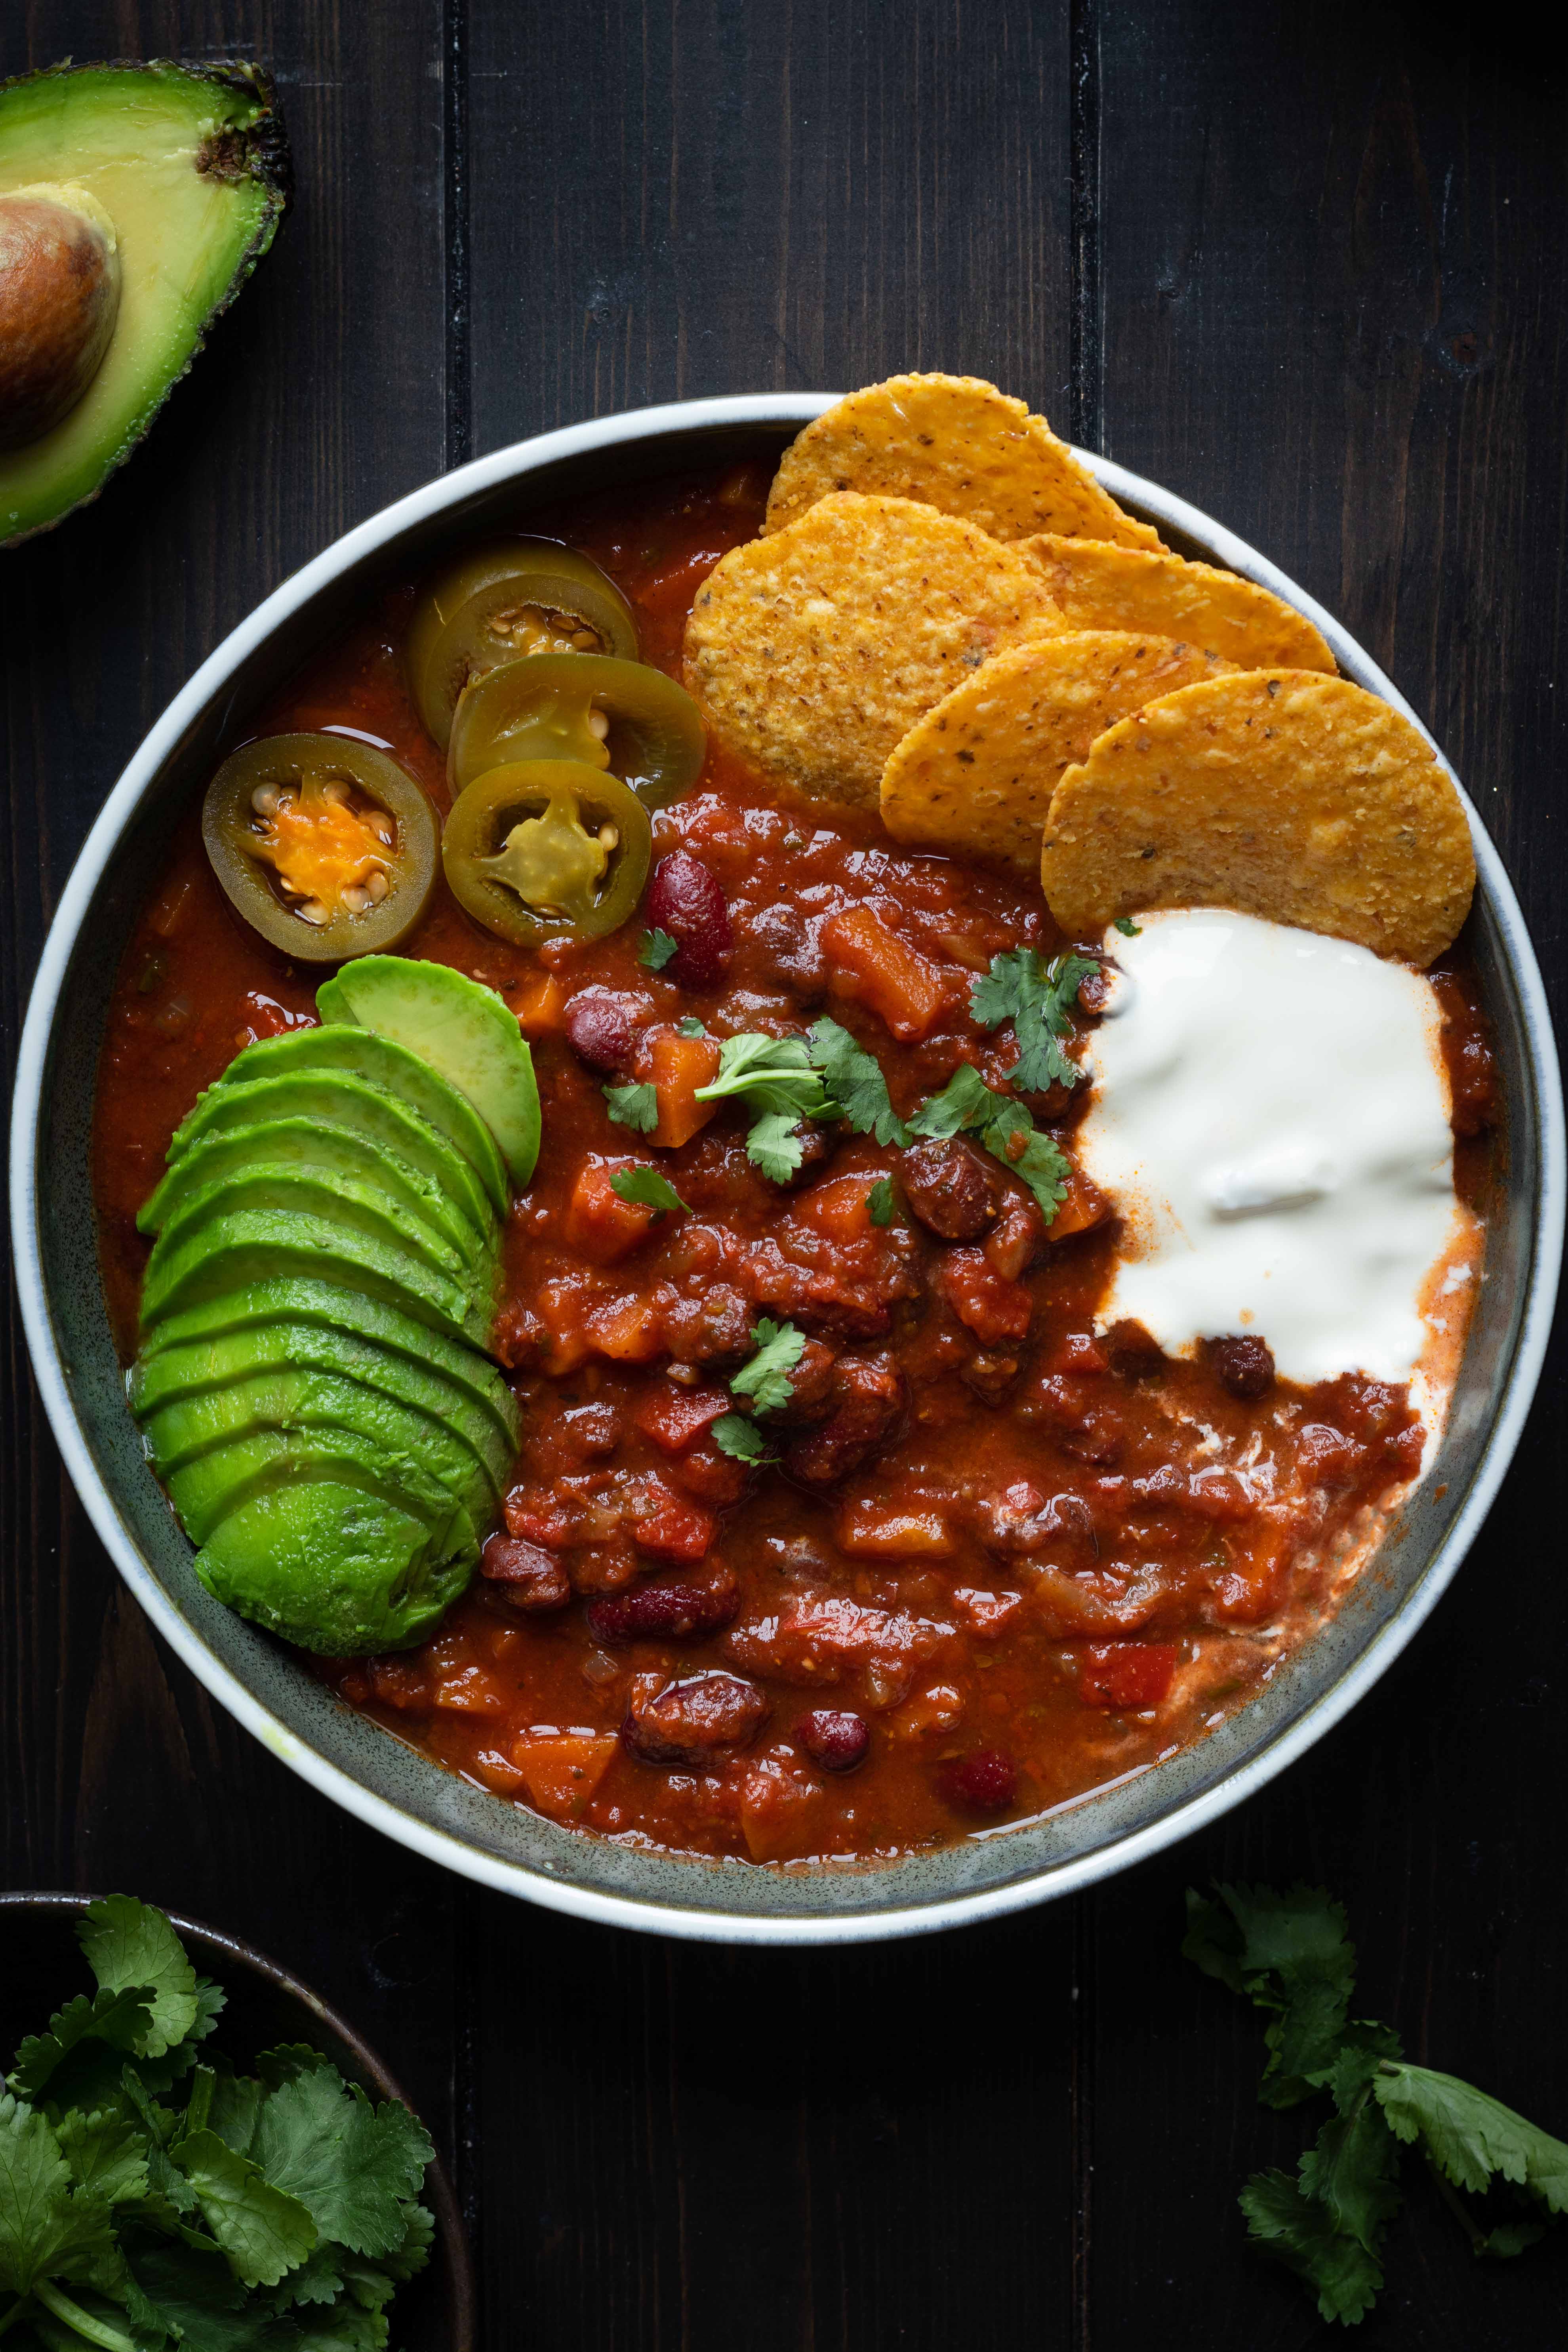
(1004, 1126)
(127, 1944)
(1128, 928)
(407, 2259)
(646, 1187)
(774, 1074)
(263, 2229)
(854, 1077)
(1353, 2170)
(634, 1107)
(774, 1145)
(1299, 2232)
(963, 1102)
(1292, 1954)
(880, 1206)
(656, 949)
(47, 2229)
(191, 2293)
(91, 2038)
(689, 1027)
(740, 1438)
(1037, 998)
(348, 2163)
(765, 1380)
(106, 2154)
(1470, 2137)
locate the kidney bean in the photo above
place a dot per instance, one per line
(1243, 1368)
(601, 1029)
(684, 898)
(788, 950)
(868, 1399)
(983, 1781)
(690, 1722)
(667, 1611)
(811, 1387)
(837, 1741)
(531, 1576)
(955, 1192)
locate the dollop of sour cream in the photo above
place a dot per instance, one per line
(1271, 1115)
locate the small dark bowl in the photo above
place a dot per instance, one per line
(41, 1965)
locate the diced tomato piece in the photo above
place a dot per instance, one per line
(535, 1520)
(1327, 1457)
(673, 1416)
(986, 1613)
(1074, 1352)
(675, 1066)
(598, 1222)
(711, 1476)
(1082, 1206)
(1256, 1563)
(561, 1769)
(778, 1807)
(628, 1331)
(1127, 1675)
(669, 1529)
(992, 1308)
(468, 1690)
(871, 964)
(401, 1683)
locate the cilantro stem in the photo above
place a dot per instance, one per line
(1450, 2197)
(91, 2330)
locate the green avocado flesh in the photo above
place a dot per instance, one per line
(349, 1106)
(457, 1025)
(312, 1387)
(191, 166)
(331, 1568)
(383, 1063)
(327, 1154)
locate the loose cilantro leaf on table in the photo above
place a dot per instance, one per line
(855, 1078)
(634, 1107)
(765, 1380)
(1291, 1954)
(272, 2212)
(1037, 999)
(968, 1105)
(655, 950)
(646, 1187)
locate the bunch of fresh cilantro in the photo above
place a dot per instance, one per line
(151, 2197)
(1292, 1954)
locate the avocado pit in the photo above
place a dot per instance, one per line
(59, 298)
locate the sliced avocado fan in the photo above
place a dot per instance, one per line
(312, 1387)
(191, 165)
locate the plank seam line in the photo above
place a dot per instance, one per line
(1086, 368)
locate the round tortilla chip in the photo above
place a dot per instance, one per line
(956, 443)
(1279, 793)
(976, 775)
(814, 651)
(1098, 586)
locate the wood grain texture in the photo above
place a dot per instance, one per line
(1304, 267)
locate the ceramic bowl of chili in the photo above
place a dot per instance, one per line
(265, 2008)
(405, 1792)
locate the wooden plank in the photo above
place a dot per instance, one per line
(320, 397)
(1325, 245)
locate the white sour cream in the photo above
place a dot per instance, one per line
(1271, 1115)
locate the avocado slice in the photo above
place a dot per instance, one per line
(246, 1246)
(175, 1375)
(331, 1154)
(308, 1191)
(240, 1315)
(362, 1053)
(296, 1401)
(460, 1027)
(331, 1567)
(351, 1106)
(204, 1489)
(191, 165)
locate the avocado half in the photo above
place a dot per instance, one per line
(191, 163)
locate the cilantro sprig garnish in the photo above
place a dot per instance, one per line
(1037, 999)
(647, 1188)
(1292, 1955)
(855, 1077)
(636, 1107)
(655, 950)
(148, 2199)
(765, 1381)
(967, 1106)
(780, 1087)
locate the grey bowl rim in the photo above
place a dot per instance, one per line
(222, 1943)
(374, 536)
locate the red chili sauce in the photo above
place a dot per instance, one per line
(999, 1560)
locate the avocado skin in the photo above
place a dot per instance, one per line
(351, 1106)
(331, 1568)
(326, 1306)
(233, 1251)
(459, 1026)
(366, 1054)
(327, 1153)
(182, 1374)
(254, 150)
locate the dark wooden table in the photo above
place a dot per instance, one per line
(1307, 265)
